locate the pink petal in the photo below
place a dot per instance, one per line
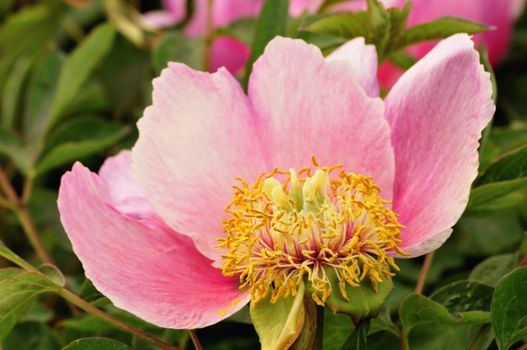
(363, 60)
(229, 53)
(437, 111)
(298, 7)
(161, 19)
(517, 8)
(195, 139)
(311, 107)
(146, 269)
(388, 74)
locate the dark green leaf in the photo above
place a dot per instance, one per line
(42, 89)
(380, 26)
(438, 29)
(78, 139)
(417, 309)
(96, 344)
(512, 166)
(509, 309)
(342, 25)
(337, 328)
(13, 92)
(491, 270)
(462, 296)
(78, 67)
(12, 147)
(175, 46)
(357, 340)
(486, 197)
(272, 22)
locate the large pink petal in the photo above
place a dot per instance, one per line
(437, 111)
(229, 53)
(363, 60)
(148, 270)
(308, 106)
(195, 139)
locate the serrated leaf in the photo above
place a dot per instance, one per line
(78, 67)
(78, 139)
(96, 343)
(509, 309)
(440, 28)
(271, 22)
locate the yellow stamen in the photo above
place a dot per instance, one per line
(281, 233)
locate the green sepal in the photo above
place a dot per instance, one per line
(279, 324)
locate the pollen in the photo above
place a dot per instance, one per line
(326, 227)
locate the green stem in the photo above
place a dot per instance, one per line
(89, 308)
(404, 341)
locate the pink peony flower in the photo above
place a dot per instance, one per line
(147, 227)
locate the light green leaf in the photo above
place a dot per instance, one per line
(510, 167)
(342, 25)
(271, 22)
(481, 197)
(53, 273)
(96, 343)
(78, 67)
(278, 325)
(78, 139)
(18, 288)
(509, 309)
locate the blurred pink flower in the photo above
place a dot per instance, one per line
(146, 228)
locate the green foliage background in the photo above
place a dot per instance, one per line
(73, 83)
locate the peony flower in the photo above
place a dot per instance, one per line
(228, 197)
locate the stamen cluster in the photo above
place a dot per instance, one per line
(328, 228)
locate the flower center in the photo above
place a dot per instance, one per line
(309, 227)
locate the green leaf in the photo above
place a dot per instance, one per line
(96, 343)
(461, 296)
(357, 340)
(278, 325)
(78, 139)
(271, 22)
(78, 67)
(175, 46)
(12, 147)
(491, 270)
(42, 89)
(342, 25)
(53, 273)
(380, 26)
(18, 288)
(509, 309)
(337, 327)
(512, 166)
(417, 309)
(483, 197)
(438, 29)
(13, 92)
